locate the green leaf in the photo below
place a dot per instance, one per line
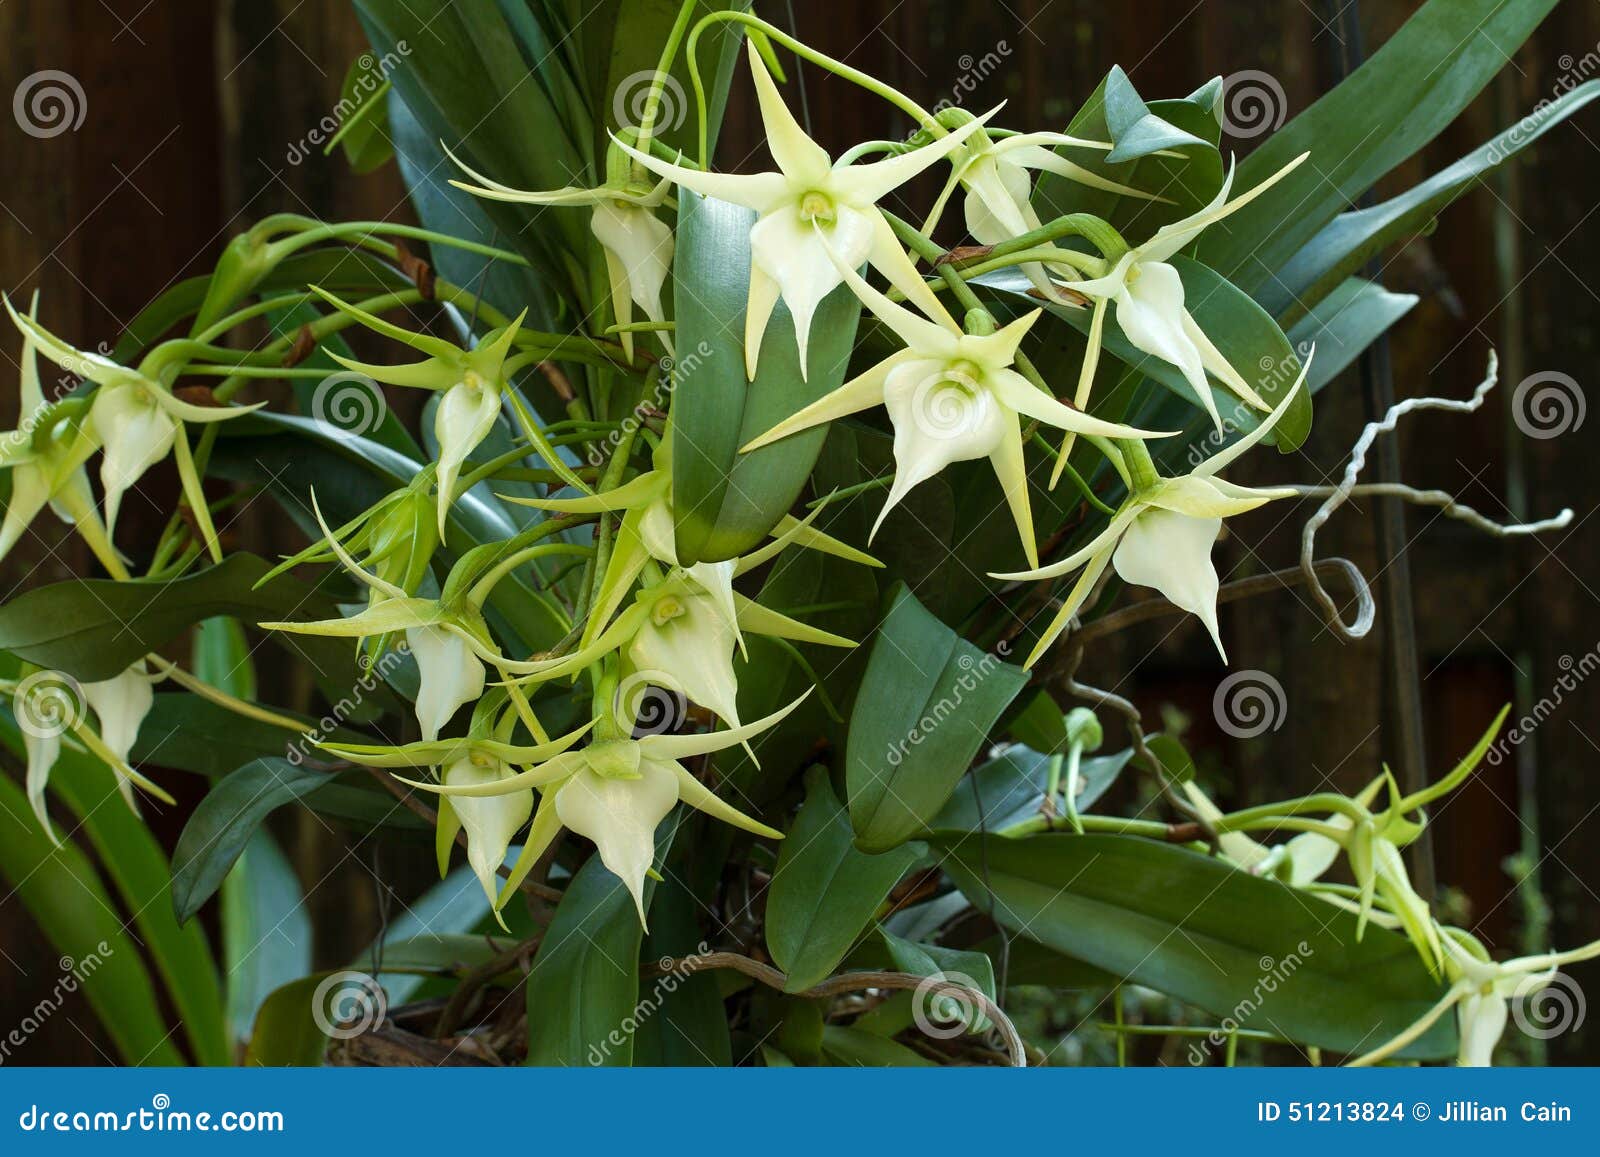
(286, 1030)
(846, 1045)
(364, 134)
(1012, 785)
(224, 821)
(583, 988)
(926, 703)
(454, 905)
(135, 864)
(1344, 323)
(1245, 333)
(1208, 934)
(58, 885)
(188, 733)
(1352, 238)
(825, 891)
(266, 931)
(1176, 764)
(221, 657)
(94, 628)
(973, 969)
(726, 502)
(1398, 101)
(687, 1024)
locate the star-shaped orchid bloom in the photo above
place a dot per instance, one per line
(616, 791)
(637, 244)
(1163, 534)
(809, 206)
(137, 421)
(1480, 993)
(952, 397)
(1149, 297)
(46, 455)
(470, 384)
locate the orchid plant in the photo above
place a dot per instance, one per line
(610, 603)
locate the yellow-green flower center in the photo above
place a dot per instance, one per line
(815, 206)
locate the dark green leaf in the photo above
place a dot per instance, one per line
(926, 703)
(266, 931)
(1208, 934)
(725, 502)
(825, 892)
(955, 965)
(1012, 785)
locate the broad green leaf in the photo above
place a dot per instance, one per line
(222, 824)
(437, 917)
(1175, 761)
(1347, 242)
(59, 886)
(687, 1024)
(926, 703)
(1245, 333)
(1398, 101)
(958, 966)
(1011, 787)
(136, 866)
(825, 893)
(850, 1046)
(222, 657)
(266, 931)
(726, 502)
(1208, 934)
(286, 1031)
(583, 986)
(94, 628)
(1344, 323)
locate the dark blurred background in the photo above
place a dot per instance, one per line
(193, 111)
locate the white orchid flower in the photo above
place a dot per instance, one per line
(470, 384)
(647, 532)
(637, 244)
(451, 675)
(1163, 534)
(1480, 992)
(805, 209)
(46, 455)
(682, 636)
(136, 420)
(1149, 297)
(998, 202)
(952, 397)
(616, 792)
(490, 820)
(120, 704)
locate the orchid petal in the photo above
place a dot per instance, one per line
(621, 817)
(674, 747)
(1172, 553)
